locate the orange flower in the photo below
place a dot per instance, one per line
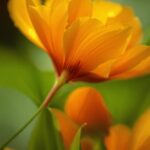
(122, 137)
(86, 106)
(90, 40)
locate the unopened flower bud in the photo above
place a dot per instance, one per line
(86, 106)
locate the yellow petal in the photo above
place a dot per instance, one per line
(141, 69)
(19, 14)
(40, 26)
(118, 138)
(127, 18)
(50, 24)
(141, 133)
(102, 10)
(131, 59)
(94, 46)
(68, 129)
(86, 105)
(79, 8)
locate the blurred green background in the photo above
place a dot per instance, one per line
(26, 75)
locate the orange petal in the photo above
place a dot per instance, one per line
(118, 138)
(94, 46)
(86, 105)
(104, 69)
(67, 127)
(131, 58)
(77, 32)
(141, 68)
(58, 23)
(141, 133)
(19, 14)
(78, 9)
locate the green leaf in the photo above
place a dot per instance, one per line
(46, 135)
(146, 105)
(20, 74)
(15, 110)
(76, 145)
(147, 36)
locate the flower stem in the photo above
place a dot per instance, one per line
(21, 129)
(57, 85)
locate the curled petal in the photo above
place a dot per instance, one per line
(141, 69)
(135, 61)
(104, 69)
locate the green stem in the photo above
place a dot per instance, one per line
(58, 84)
(22, 128)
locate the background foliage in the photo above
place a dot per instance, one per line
(26, 76)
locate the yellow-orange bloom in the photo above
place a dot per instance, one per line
(122, 137)
(86, 106)
(90, 40)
